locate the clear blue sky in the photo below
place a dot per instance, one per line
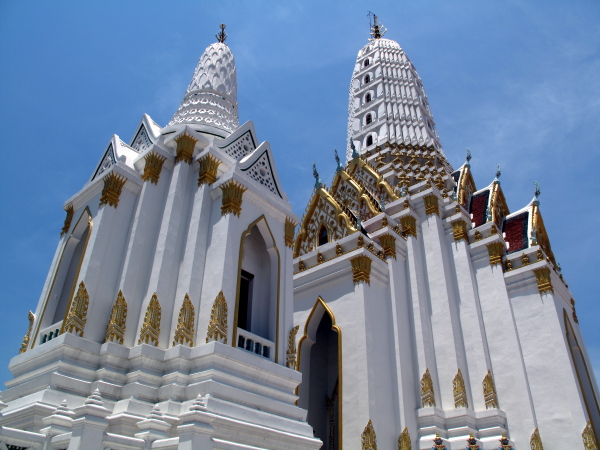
(516, 82)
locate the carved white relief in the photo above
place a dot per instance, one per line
(241, 147)
(262, 173)
(142, 141)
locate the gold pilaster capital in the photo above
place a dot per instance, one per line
(409, 226)
(361, 269)
(185, 148)
(459, 229)
(388, 243)
(209, 166)
(232, 197)
(153, 167)
(542, 276)
(495, 252)
(113, 185)
(290, 229)
(432, 205)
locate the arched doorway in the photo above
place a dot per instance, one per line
(321, 389)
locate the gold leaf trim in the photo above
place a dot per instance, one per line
(27, 336)
(291, 351)
(69, 209)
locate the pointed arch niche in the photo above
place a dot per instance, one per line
(320, 361)
(64, 283)
(256, 316)
(586, 385)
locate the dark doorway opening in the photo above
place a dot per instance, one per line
(245, 303)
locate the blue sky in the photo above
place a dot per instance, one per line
(516, 82)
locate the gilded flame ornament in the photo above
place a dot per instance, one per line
(150, 332)
(184, 334)
(115, 330)
(77, 316)
(217, 327)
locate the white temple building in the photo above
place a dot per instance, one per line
(188, 307)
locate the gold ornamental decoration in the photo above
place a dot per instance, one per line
(184, 334)
(209, 165)
(369, 438)
(115, 330)
(409, 226)
(232, 198)
(459, 229)
(27, 336)
(185, 148)
(427, 392)
(431, 205)
(459, 390)
(290, 360)
(489, 391)
(217, 327)
(153, 167)
(361, 269)
(589, 440)
(290, 229)
(113, 185)
(388, 243)
(542, 277)
(150, 332)
(68, 219)
(77, 316)
(404, 440)
(495, 251)
(536, 441)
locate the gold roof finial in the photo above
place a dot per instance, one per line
(221, 36)
(377, 29)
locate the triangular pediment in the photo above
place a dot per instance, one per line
(260, 167)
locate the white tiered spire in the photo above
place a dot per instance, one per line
(211, 98)
(385, 86)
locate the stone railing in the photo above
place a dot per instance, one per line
(256, 344)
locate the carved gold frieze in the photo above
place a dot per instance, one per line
(27, 336)
(209, 166)
(544, 282)
(115, 330)
(77, 316)
(409, 226)
(232, 197)
(459, 390)
(589, 440)
(427, 391)
(290, 360)
(290, 229)
(388, 243)
(185, 148)
(184, 333)
(431, 205)
(217, 327)
(368, 437)
(459, 229)
(113, 185)
(489, 391)
(150, 332)
(404, 442)
(69, 209)
(536, 441)
(361, 269)
(153, 166)
(495, 251)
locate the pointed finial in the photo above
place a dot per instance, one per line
(377, 29)
(498, 173)
(339, 167)
(468, 163)
(221, 36)
(355, 153)
(318, 182)
(536, 194)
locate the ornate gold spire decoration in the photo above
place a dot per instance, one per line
(489, 391)
(290, 360)
(459, 229)
(290, 228)
(153, 166)
(69, 209)
(115, 330)
(77, 316)
(369, 438)
(404, 442)
(150, 332)
(459, 390)
(209, 167)
(184, 334)
(217, 327)
(221, 36)
(185, 148)
(388, 242)
(232, 197)
(536, 441)
(113, 185)
(495, 251)
(544, 283)
(27, 336)
(589, 440)
(361, 269)
(427, 392)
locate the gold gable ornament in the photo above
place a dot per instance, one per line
(150, 332)
(153, 166)
(536, 441)
(113, 185)
(404, 442)
(489, 391)
(292, 350)
(427, 391)
(27, 336)
(369, 438)
(184, 334)
(459, 390)
(77, 316)
(217, 327)
(115, 330)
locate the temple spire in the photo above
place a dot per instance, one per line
(221, 36)
(377, 29)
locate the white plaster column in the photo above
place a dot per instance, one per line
(195, 429)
